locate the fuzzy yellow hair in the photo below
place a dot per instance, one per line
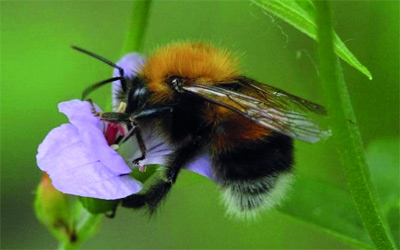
(196, 61)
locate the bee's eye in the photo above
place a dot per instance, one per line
(176, 83)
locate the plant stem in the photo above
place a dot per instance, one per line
(345, 132)
(136, 32)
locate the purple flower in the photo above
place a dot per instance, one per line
(79, 158)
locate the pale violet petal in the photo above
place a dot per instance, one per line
(202, 165)
(157, 148)
(90, 130)
(74, 170)
(116, 187)
(131, 63)
(53, 145)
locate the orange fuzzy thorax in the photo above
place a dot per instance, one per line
(195, 61)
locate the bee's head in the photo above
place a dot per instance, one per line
(181, 64)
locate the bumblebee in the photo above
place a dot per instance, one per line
(200, 103)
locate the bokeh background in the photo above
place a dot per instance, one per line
(39, 70)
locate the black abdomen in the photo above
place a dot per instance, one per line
(267, 156)
(256, 175)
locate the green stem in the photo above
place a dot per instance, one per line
(136, 32)
(345, 132)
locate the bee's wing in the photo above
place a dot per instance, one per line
(281, 98)
(270, 107)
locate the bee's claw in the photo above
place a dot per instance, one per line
(142, 168)
(137, 162)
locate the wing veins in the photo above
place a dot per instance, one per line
(268, 114)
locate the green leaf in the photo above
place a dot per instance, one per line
(328, 208)
(331, 209)
(301, 15)
(346, 133)
(383, 160)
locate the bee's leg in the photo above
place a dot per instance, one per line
(116, 117)
(141, 115)
(92, 106)
(159, 190)
(142, 147)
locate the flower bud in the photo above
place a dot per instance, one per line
(53, 209)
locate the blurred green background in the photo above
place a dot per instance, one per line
(39, 70)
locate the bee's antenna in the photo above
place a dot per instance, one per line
(104, 60)
(88, 90)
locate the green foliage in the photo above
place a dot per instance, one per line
(328, 208)
(331, 209)
(346, 134)
(301, 14)
(382, 157)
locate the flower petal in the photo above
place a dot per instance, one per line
(78, 159)
(74, 169)
(202, 166)
(157, 148)
(90, 130)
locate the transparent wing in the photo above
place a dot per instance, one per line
(269, 107)
(281, 98)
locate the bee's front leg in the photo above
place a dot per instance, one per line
(118, 117)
